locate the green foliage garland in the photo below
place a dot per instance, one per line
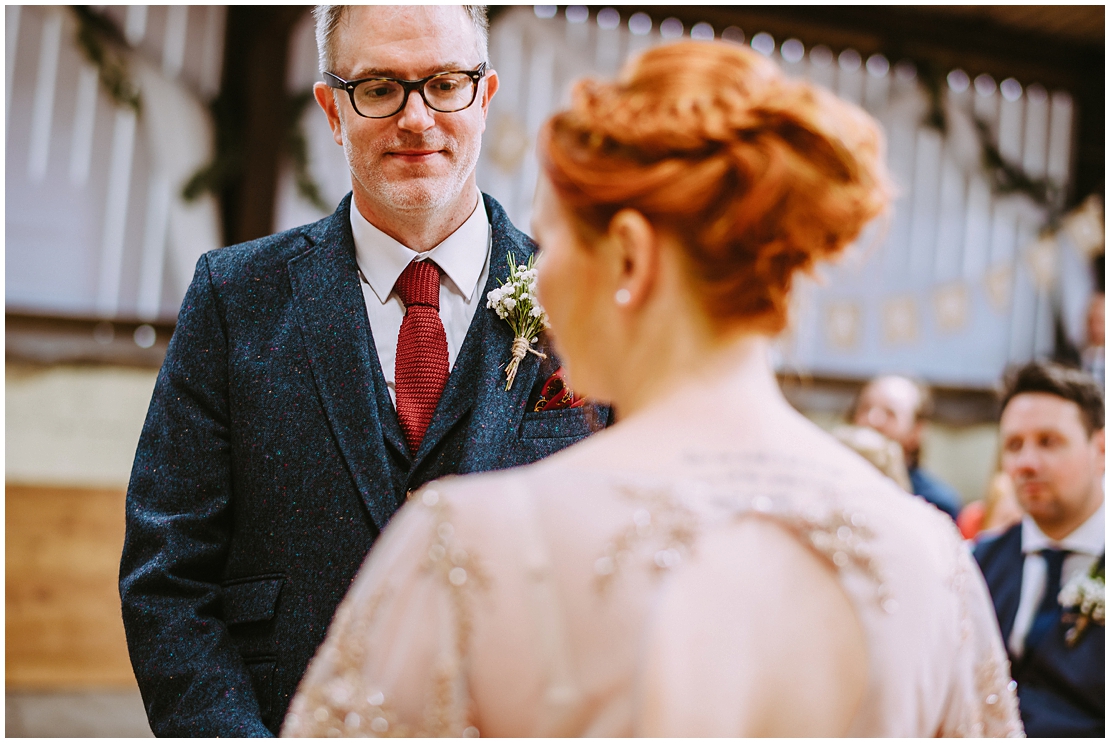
(105, 48)
(1004, 177)
(227, 162)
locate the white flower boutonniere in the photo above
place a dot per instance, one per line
(1085, 596)
(515, 302)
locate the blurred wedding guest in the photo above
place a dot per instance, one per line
(898, 407)
(1047, 574)
(713, 564)
(877, 449)
(994, 514)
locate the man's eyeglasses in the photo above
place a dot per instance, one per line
(382, 97)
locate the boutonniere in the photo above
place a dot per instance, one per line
(515, 303)
(1085, 597)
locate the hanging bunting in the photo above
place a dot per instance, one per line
(1041, 258)
(843, 321)
(900, 320)
(952, 304)
(998, 283)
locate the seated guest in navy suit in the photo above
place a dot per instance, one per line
(1053, 447)
(897, 407)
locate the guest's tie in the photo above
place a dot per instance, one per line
(1048, 613)
(422, 367)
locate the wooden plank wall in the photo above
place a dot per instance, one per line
(63, 613)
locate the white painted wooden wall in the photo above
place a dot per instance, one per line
(947, 289)
(95, 226)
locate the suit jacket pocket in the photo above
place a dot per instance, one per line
(251, 599)
(558, 424)
(261, 670)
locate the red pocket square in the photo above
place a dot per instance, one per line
(556, 395)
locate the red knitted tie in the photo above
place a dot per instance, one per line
(422, 367)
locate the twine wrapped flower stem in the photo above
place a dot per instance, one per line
(515, 303)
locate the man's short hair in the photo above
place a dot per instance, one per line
(925, 407)
(1051, 378)
(328, 18)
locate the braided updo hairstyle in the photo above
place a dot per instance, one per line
(756, 175)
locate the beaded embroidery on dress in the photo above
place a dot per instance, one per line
(668, 516)
(415, 643)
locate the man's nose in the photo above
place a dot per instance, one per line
(1026, 459)
(415, 116)
(875, 418)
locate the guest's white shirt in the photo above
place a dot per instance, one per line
(464, 260)
(1086, 543)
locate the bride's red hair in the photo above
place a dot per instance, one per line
(757, 175)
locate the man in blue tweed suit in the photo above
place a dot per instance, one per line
(287, 425)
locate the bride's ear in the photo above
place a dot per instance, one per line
(636, 253)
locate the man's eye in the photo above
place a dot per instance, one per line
(445, 86)
(381, 90)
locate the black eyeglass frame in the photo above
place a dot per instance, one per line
(475, 75)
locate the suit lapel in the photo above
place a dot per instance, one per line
(1004, 576)
(478, 380)
(344, 363)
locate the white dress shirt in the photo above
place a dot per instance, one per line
(464, 262)
(1086, 543)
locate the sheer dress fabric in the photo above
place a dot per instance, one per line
(525, 603)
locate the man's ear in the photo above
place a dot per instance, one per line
(325, 97)
(492, 84)
(635, 245)
(1098, 441)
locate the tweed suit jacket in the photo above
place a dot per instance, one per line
(1061, 689)
(271, 458)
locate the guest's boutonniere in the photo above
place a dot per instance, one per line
(515, 303)
(1085, 598)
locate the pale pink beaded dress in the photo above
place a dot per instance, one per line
(608, 591)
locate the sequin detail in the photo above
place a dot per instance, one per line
(343, 707)
(665, 526)
(662, 531)
(998, 715)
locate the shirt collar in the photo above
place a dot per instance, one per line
(461, 256)
(1089, 538)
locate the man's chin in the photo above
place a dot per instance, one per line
(1040, 509)
(419, 194)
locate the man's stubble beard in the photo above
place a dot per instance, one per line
(418, 194)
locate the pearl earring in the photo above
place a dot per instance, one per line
(622, 297)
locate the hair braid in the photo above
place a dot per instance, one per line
(758, 175)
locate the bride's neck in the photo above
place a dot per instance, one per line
(735, 368)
